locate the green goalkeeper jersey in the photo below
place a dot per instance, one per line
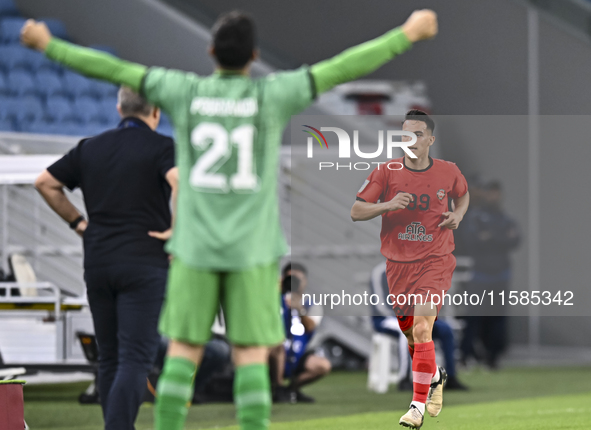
(228, 130)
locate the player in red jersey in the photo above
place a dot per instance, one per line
(412, 196)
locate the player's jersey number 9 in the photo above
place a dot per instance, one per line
(218, 144)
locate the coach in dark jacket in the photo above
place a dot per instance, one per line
(127, 176)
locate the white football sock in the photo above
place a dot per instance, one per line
(436, 377)
(420, 406)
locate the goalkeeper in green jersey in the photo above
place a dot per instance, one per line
(227, 237)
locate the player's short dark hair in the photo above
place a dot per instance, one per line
(419, 115)
(234, 38)
(294, 266)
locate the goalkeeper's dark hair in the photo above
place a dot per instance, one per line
(419, 115)
(234, 39)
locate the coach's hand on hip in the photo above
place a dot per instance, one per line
(81, 227)
(421, 25)
(162, 235)
(452, 220)
(35, 35)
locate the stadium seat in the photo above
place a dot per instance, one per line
(75, 129)
(10, 29)
(12, 57)
(35, 60)
(104, 89)
(77, 85)
(57, 27)
(23, 109)
(164, 120)
(47, 64)
(59, 109)
(6, 125)
(8, 8)
(380, 374)
(21, 83)
(165, 127)
(94, 128)
(166, 130)
(87, 108)
(40, 127)
(68, 127)
(108, 107)
(4, 101)
(4, 90)
(49, 83)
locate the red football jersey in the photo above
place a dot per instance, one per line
(412, 234)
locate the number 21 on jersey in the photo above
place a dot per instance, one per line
(218, 143)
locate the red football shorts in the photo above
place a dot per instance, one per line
(423, 278)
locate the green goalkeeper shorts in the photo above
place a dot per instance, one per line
(249, 298)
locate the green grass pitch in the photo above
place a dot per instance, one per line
(520, 399)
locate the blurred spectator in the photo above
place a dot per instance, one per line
(489, 236)
(384, 321)
(215, 376)
(293, 360)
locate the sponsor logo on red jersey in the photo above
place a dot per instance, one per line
(441, 194)
(415, 232)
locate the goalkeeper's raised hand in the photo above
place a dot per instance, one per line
(35, 35)
(421, 25)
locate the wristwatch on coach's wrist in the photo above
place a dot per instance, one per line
(77, 221)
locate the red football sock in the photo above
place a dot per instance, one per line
(423, 369)
(411, 351)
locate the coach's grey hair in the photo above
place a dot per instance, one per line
(132, 103)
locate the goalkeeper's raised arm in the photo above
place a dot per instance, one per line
(349, 65)
(365, 58)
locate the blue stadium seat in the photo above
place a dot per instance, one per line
(39, 126)
(58, 128)
(6, 125)
(10, 29)
(8, 8)
(47, 64)
(76, 129)
(105, 89)
(77, 85)
(59, 109)
(57, 27)
(87, 108)
(94, 128)
(164, 120)
(49, 83)
(4, 90)
(11, 57)
(21, 83)
(108, 106)
(165, 130)
(24, 109)
(35, 60)
(4, 101)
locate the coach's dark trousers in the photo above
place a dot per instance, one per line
(125, 302)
